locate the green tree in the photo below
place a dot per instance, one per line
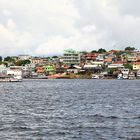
(101, 50)
(129, 48)
(9, 59)
(112, 70)
(22, 62)
(55, 56)
(128, 66)
(93, 51)
(0, 58)
(84, 52)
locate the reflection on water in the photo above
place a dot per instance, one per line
(70, 110)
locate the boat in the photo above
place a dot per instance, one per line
(39, 77)
(138, 74)
(94, 76)
(120, 76)
(132, 76)
(6, 78)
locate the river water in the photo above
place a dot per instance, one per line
(70, 110)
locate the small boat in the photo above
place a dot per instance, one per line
(132, 76)
(138, 74)
(120, 76)
(39, 77)
(9, 79)
(94, 76)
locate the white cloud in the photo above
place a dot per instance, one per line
(50, 26)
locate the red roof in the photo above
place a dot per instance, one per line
(120, 62)
(136, 63)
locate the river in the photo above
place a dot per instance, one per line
(70, 110)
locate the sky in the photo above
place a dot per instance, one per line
(48, 27)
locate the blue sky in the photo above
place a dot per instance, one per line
(47, 27)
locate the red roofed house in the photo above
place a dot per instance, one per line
(136, 66)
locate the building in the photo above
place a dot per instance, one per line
(136, 66)
(15, 71)
(71, 57)
(36, 60)
(24, 57)
(125, 73)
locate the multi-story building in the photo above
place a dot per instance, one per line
(71, 57)
(24, 57)
(136, 66)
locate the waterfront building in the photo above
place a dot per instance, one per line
(100, 57)
(136, 66)
(3, 69)
(138, 74)
(125, 73)
(74, 69)
(71, 57)
(15, 71)
(49, 69)
(40, 69)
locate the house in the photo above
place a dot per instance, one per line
(40, 69)
(36, 60)
(24, 57)
(15, 71)
(73, 69)
(49, 69)
(91, 56)
(131, 57)
(136, 66)
(117, 64)
(100, 57)
(125, 73)
(108, 60)
(3, 69)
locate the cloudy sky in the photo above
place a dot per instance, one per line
(47, 27)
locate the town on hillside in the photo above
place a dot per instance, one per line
(97, 64)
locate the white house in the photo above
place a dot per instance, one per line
(16, 72)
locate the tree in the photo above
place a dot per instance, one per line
(93, 51)
(101, 50)
(0, 58)
(128, 66)
(84, 52)
(129, 48)
(112, 70)
(55, 56)
(9, 59)
(22, 62)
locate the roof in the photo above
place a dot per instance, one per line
(119, 62)
(108, 59)
(136, 63)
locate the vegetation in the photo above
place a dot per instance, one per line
(84, 52)
(0, 58)
(22, 62)
(128, 66)
(129, 48)
(101, 50)
(9, 59)
(55, 56)
(94, 51)
(111, 70)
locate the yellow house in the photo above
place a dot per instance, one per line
(136, 66)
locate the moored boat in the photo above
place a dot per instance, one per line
(132, 76)
(7, 78)
(94, 76)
